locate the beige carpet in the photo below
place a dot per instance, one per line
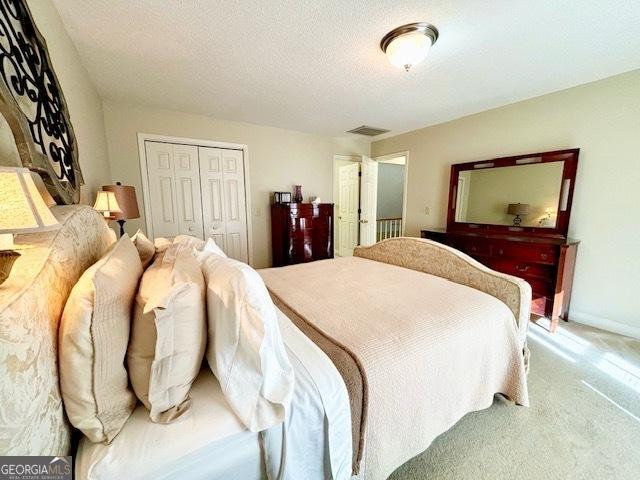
(583, 423)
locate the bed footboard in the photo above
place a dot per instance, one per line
(446, 262)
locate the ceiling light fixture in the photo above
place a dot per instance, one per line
(409, 44)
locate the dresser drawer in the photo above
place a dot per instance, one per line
(473, 247)
(545, 254)
(541, 288)
(523, 269)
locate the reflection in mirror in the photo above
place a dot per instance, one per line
(520, 195)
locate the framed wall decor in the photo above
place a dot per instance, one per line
(33, 105)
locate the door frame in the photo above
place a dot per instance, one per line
(146, 197)
(389, 156)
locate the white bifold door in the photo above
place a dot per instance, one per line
(198, 191)
(174, 188)
(223, 199)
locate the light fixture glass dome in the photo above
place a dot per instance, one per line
(408, 50)
(408, 45)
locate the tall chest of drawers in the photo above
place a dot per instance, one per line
(547, 263)
(301, 232)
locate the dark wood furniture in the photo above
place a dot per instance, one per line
(545, 262)
(543, 256)
(301, 232)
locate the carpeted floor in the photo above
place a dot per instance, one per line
(583, 423)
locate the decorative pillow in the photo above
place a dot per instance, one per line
(169, 333)
(94, 334)
(245, 350)
(212, 246)
(193, 242)
(146, 248)
(161, 244)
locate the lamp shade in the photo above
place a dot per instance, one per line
(518, 209)
(106, 203)
(22, 209)
(126, 197)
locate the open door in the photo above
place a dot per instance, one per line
(348, 198)
(368, 201)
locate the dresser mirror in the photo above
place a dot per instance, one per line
(527, 193)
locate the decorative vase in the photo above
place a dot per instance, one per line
(297, 193)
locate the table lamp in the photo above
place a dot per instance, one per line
(107, 204)
(126, 196)
(22, 210)
(518, 209)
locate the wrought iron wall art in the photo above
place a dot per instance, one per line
(32, 102)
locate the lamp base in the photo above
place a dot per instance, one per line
(517, 220)
(7, 259)
(121, 223)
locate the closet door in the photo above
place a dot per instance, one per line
(212, 197)
(174, 189)
(223, 200)
(187, 174)
(235, 206)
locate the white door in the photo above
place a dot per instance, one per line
(174, 189)
(223, 200)
(368, 201)
(348, 198)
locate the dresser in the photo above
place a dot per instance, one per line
(301, 232)
(546, 263)
(512, 214)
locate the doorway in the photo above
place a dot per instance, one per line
(370, 198)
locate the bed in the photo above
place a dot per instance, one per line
(421, 334)
(390, 348)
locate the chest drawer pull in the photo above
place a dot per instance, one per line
(522, 268)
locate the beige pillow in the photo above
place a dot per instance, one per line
(94, 334)
(161, 244)
(189, 240)
(169, 333)
(146, 248)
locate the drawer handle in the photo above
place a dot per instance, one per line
(500, 252)
(473, 249)
(522, 268)
(543, 256)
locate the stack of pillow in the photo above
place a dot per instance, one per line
(137, 325)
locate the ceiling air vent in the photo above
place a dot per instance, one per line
(368, 131)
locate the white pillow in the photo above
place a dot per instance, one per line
(245, 350)
(212, 246)
(168, 336)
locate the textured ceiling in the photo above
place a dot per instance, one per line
(315, 65)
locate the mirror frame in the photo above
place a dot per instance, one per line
(570, 159)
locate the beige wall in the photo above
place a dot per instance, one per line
(278, 158)
(85, 105)
(603, 120)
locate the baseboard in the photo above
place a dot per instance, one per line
(605, 324)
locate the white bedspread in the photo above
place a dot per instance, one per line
(210, 442)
